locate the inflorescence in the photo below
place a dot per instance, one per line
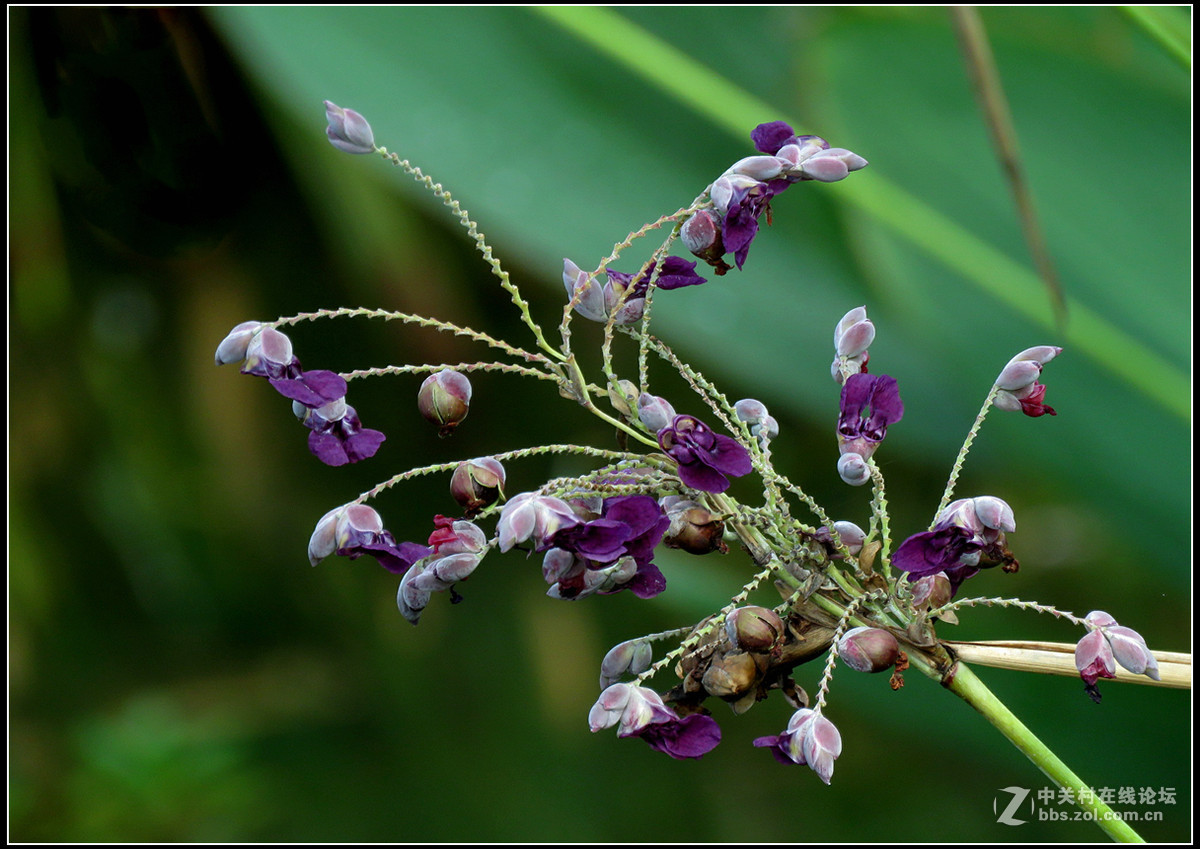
(839, 591)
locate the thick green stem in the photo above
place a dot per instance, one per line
(964, 684)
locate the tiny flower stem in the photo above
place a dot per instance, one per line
(804, 498)
(480, 243)
(879, 508)
(1009, 602)
(708, 393)
(962, 681)
(409, 318)
(517, 454)
(962, 455)
(831, 660)
(461, 367)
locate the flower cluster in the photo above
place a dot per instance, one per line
(318, 397)
(842, 591)
(457, 548)
(590, 547)
(744, 192)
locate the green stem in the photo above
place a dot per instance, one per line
(964, 684)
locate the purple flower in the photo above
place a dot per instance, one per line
(319, 401)
(870, 402)
(968, 536)
(949, 549)
(809, 739)
(597, 303)
(744, 192)
(741, 200)
(353, 530)
(704, 457)
(628, 529)
(338, 436)
(318, 397)
(641, 712)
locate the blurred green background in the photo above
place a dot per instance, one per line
(177, 672)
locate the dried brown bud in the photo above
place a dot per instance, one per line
(694, 529)
(754, 629)
(732, 674)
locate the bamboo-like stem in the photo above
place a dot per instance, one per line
(963, 683)
(1174, 668)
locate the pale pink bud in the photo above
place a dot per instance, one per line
(760, 168)
(631, 656)
(853, 469)
(994, 513)
(587, 294)
(1094, 660)
(655, 413)
(348, 131)
(323, 541)
(821, 746)
(1099, 619)
(233, 347)
(868, 649)
(1129, 649)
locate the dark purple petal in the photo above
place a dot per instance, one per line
(601, 540)
(738, 230)
(870, 402)
(342, 441)
(701, 477)
(934, 551)
(328, 448)
(778, 747)
(312, 388)
(364, 444)
(677, 273)
(730, 457)
(886, 407)
(768, 138)
(646, 522)
(690, 737)
(648, 582)
(638, 512)
(395, 558)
